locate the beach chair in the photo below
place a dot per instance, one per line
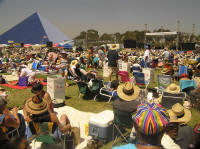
(105, 91)
(182, 71)
(163, 82)
(140, 79)
(169, 99)
(187, 85)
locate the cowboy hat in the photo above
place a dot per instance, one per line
(179, 114)
(173, 88)
(164, 71)
(113, 47)
(128, 91)
(36, 106)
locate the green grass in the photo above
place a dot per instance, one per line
(17, 97)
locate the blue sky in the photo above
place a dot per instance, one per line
(74, 16)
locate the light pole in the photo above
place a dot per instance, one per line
(178, 33)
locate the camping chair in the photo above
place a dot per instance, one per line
(48, 134)
(169, 99)
(182, 71)
(187, 85)
(163, 82)
(83, 88)
(121, 120)
(140, 79)
(96, 86)
(124, 76)
(35, 65)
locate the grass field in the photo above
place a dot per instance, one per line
(17, 97)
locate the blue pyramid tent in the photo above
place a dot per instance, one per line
(34, 30)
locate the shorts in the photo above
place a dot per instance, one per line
(63, 70)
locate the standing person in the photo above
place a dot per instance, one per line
(90, 57)
(113, 61)
(147, 57)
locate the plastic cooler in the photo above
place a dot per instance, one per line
(101, 126)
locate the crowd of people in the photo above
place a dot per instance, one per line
(154, 126)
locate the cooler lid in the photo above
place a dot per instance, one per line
(103, 118)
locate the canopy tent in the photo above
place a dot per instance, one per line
(161, 33)
(34, 30)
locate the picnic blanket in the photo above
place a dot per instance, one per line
(12, 84)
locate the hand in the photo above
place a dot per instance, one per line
(28, 119)
(53, 117)
(15, 110)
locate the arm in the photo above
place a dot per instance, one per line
(10, 122)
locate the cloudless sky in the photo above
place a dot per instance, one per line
(74, 16)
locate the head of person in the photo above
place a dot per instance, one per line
(150, 122)
(19, 143)
(37, 88)
(172, 129)
(114, 84)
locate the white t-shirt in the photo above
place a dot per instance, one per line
(168, 143)
(25, 72)
(147, 54)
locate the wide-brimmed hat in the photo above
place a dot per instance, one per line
(113, 47)
(74, 62)
(36, 106)
(173, 88)
(179, 114)
(36, 87)
(151, 119)
(164, 71)
(128, 91)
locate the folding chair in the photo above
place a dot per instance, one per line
(163, 82)
(121, 120)
(140, 79)
(169, 99)
(187, 85)
(83, 88)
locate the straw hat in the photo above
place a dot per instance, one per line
(74, 62)
(36, 106)
(164, 71)
(179, 114)
(113, 47)
(173, 88)
(128, 91)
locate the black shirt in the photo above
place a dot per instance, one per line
(112, 58)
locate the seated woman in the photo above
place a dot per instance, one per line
(41, 114)
(26, 76)
(37, 89)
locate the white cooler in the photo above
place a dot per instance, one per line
(101, 126)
